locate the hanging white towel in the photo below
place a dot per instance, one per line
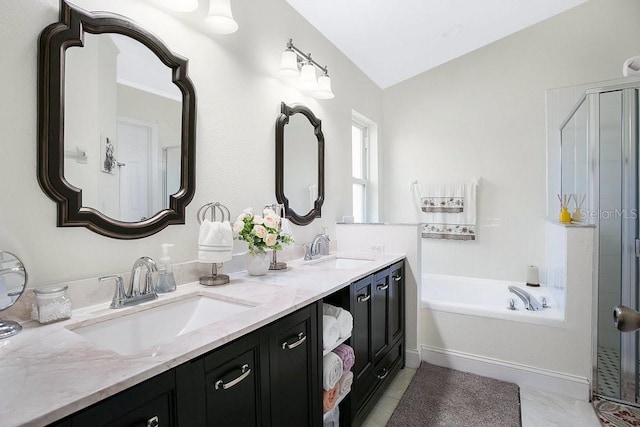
(215, 242)
(447, 211)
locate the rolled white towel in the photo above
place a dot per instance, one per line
(331, 371)
(344, 318)
(330, 331)
(345, 383)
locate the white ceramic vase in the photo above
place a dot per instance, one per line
(257, 264)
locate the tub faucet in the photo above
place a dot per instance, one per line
(318, 246)
(134, 295)
(530, 302)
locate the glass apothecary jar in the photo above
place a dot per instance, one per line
(52, 304)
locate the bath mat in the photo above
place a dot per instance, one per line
(442, 397)
(615, 414)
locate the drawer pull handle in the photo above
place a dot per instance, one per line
(383, 374)
(383, 287)
(364, 297)
(397, 278)
(244, 373)
(153, 422)
(301, 338)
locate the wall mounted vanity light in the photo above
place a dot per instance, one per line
(219, 19)
(300, 66)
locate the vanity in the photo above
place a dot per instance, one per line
(261, 365)
(246, 353)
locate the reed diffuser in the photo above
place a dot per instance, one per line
(578, 216)
(565, 216)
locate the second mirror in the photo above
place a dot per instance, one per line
(299, 163)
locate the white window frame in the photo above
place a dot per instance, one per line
(365, 167)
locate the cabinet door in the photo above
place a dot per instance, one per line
(233, 384)
(151, 403)
(294, 372)
(361, 299)
(380, 304)
(395, 297)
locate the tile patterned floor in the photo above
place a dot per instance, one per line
(538, 408)
(608, 372)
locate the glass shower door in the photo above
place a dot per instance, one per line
(610, 232)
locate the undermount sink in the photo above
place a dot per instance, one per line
(340, 262)
(140, 330)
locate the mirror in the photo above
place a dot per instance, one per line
(117, 126)
(299, 163)
(574, 145)
(13, 280)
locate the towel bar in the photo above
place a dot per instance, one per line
(213, 208)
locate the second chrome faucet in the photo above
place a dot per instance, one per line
(134, 293)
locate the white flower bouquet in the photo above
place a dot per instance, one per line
(261, 232)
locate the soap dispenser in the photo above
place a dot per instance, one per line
(166, 281)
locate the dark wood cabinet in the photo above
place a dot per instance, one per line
(233, 384)
(377, 304)
(294, 386)
(272, 376)
(267, 378)
(379, 316)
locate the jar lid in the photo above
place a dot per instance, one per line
(51, 289)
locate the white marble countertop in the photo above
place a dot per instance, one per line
(49, 372)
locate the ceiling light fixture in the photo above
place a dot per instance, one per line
(220, 19)
(300, 66)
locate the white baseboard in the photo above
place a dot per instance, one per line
(412, 358)
(523, 375)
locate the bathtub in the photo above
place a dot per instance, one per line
(488, 298)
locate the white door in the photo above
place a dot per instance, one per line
(135, 145)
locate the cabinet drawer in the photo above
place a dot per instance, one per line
(135, 407)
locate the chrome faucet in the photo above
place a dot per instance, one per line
(134, 295)
(530, 302)
(318, 246)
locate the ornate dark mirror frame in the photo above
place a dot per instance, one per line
(54, 41)
(283, 119)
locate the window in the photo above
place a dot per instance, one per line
(360, 169)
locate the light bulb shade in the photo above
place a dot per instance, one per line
(220, 19)
(307, 81)
(288, 65)
(179, 5)
(324, 88)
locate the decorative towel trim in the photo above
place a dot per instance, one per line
(449, 232)
(442, 204)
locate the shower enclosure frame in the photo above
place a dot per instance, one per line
(630, 198)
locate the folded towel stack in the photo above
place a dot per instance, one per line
(346, 354)
(329, 398)
(330, 332)
(215, 242)
(344, 385)
(331, 371)
(344, 318)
